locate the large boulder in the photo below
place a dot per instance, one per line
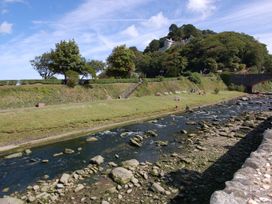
(65, 178)
(97, 160)
(220, 197)
(11, 200)
(121, 175)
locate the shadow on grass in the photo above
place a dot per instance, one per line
(197, 188)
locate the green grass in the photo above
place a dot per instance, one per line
(30, 95)
(21, 125)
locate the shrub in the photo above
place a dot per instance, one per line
(233, 87)
(72, 78)
(216, 91)
(194, 77)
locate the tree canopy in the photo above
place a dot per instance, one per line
(64, 58)
(121, 62)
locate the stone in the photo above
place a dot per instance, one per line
(134, 181)
(69, 151)
(57, 154)
(97, 160)
(220, 197)
(151, 133)
(14, 155)
(79, 187)
(28, 151)
(156, 187)
(104, 202)
(45, 161)
(132, 163)
(36, 187)
(135, 143)
(65, 178)
(40, 105)
(161, 143)
(60, 186)
(10, 200)
(91, 139)
(201, 148)
(121, 175)
(244, 99)
(183, 132)
(158, 94)
(5, 190)
(112, 164)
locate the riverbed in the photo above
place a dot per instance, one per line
(18, 173)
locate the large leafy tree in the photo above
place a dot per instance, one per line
(121, 62)
(44, 65)
(67, 57)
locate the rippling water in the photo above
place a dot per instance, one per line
(18, 173)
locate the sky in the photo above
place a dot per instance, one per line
(29, 28)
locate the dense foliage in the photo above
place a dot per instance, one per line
(184, 50)
(121, 62)
(63, 59)
(202, 51)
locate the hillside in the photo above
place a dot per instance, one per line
(30, 95)
(189, 49)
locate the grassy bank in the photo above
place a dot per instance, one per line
(30, 95)
(22, 125)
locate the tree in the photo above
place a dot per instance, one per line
(153, 46)
(121, 62)
(97, 65)
(67, 57)
(44, 65)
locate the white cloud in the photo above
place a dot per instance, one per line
(6, 28)
(204, 7)
(131, 31)
(157, 21)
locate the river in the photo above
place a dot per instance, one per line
(16, 174)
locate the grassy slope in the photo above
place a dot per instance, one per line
(20, 125)
(263, 87)
(29, 95)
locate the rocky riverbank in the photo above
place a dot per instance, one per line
(252, 184)
(203, 162)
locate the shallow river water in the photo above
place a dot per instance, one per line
(18, 173)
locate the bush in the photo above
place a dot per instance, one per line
(233, 87)
(72, 78)
(194, 77)
(216, 91)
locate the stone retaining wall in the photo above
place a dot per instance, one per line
(252, 184)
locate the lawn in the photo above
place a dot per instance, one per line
(22, 125)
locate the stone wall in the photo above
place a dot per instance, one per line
(252, 184)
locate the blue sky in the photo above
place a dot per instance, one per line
(30, 27)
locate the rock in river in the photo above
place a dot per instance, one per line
(97, 160)
(14, 155)
(68, 151)
(121, 175)
(91, 139)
